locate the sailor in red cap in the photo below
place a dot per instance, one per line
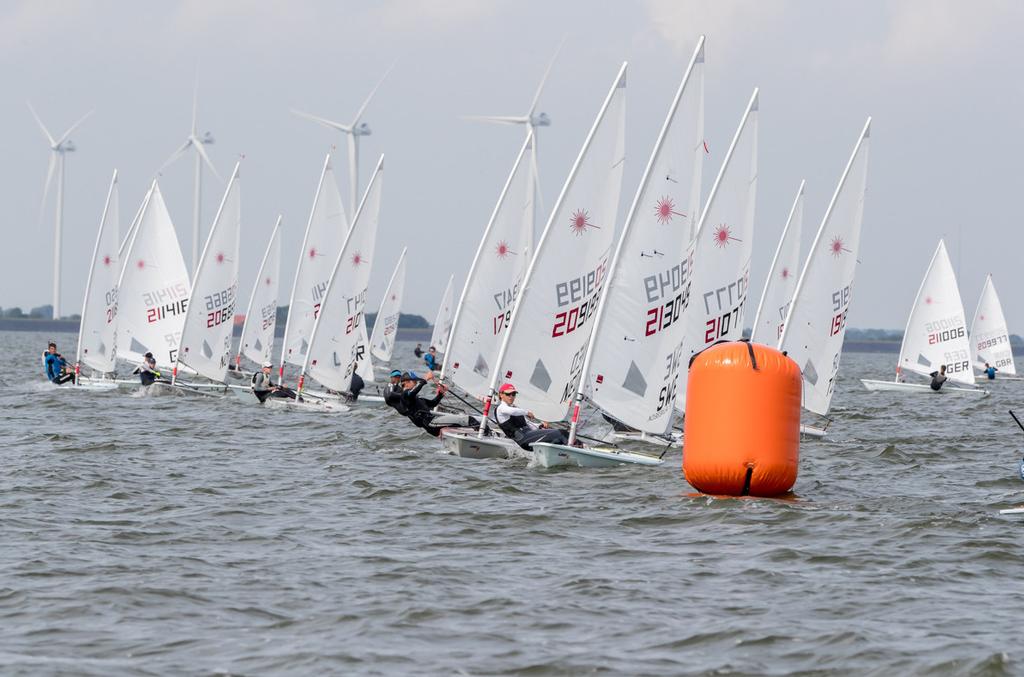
(517, 424)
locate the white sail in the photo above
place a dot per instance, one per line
(936, 331)
(990, 339)
(385, 327)
(257, 342)
(782, 277)
(815, 327)
(634, 359)
(210, 319)
(325, 233)
(364, 358)
(97, 337)
(443, 321)
(332, 355)
(153, 290)
(494, 280)
(721, 250)
(546, 341)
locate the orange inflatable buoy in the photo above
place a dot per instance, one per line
(742, 429)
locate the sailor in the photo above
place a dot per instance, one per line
(263, 385)
(938, 378)
(393, 394)
(515, 422)
(355, 387)
(420, 409)
(418, 350)
(431, 359)
(56, 366)
(147, 371)
(990, 372)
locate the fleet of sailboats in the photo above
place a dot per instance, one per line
(589, 320)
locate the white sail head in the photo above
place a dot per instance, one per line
(990, 338)
(209, 325)
(546, 342)
(97, 335)
(635, 357)
(385, 327)
(815, 327)
(936, 331)
(153, 290)
(257, 342)
(443, 321)
(325, 233)
(721, 250)
(495, 276)
(339, 330)
(782, 278)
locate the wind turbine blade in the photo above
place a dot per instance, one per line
(197, 144)
(500, 119)
(323, 121)
(41, 125)
(73, 127)
(175, 155)
(362, 108)
(46, 186)
(543, 80)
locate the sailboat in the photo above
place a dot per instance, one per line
(815, 326)
(153, 288)
(257, 342)
(545, 342)
(333, 343)
(936, 335)
(385, 327)
(97, 346)
(208, 330)
(990, 339)
(485, 304)
(782, 278)
(631, 371)
(443, 321)
(325, 233)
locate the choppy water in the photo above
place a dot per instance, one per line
(170, 536)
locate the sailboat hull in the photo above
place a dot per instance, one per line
(893, 386)
(465, 443)
(548, 455)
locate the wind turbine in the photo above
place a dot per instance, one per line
(58, 147)
(353, 131)
(532, 119)
(194, 142)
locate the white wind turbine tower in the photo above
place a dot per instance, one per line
(58, 147)
(352, 131)
(194, 142)
(532, 119)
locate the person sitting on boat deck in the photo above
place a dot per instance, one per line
(147, 371)
(263, 385)
(938, 378)
(430, 359)
(990, 371)
(56, 366)
(515, 422)
(420, 409)
(418, 350)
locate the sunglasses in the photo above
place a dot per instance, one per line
(511, 394)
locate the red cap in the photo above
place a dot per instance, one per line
(507, 388)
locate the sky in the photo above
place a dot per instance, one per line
(941, 79)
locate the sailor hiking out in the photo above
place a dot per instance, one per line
(515, 422)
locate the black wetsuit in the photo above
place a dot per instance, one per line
(355, 387)
(419, 411)
(519, 428)
(938, 379)
(263, 388)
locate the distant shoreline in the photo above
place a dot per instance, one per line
(421, 334)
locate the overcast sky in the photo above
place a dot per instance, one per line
(942, 79)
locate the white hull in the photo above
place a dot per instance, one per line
(1012, 511)
(894, 386)
(985, 379)
(811, 431)
(315, 406)
(95, 385)
(464, 442)
(640, 437)
(548, 455)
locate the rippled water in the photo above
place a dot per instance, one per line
(171, 536)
